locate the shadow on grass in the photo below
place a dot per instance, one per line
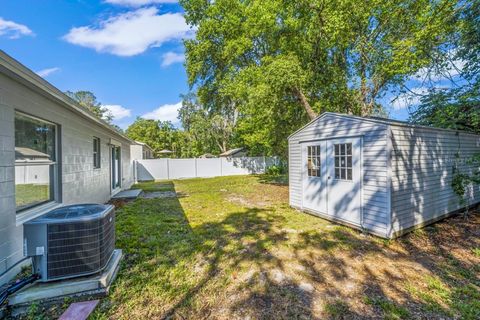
(177, 269)
(278, 180)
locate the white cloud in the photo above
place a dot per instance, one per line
(131, 33)
(170, 58)
(451, 71)
(138, 3)
(408, 99)
(167, 112)
(46, 72)
(14, 30)
(117, 111)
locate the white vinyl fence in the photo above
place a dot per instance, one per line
(158, 169)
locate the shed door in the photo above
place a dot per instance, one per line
(344, 179)
(314, 176)
(331, 178)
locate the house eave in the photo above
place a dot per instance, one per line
(18, 72)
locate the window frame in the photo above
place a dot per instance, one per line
(317, 164)
(28, 212)
(97, 154)
(343, 161)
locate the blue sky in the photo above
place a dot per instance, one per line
(128, 52)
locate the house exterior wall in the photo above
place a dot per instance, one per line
(80, 182)
(422, 171)
(136, 152)
(375, 192)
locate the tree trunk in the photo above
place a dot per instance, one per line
(303, 100)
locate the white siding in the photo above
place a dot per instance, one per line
(422, 164)
(375, 192)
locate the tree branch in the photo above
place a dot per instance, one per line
(303, 100)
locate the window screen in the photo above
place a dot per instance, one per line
(96, 152)
(35, 161)
(313, 161)
(343, 161)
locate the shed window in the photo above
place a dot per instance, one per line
(343, 161)
(96, 153)
(35, 161)
(313, 161)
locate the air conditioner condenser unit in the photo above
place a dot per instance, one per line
(71, 241)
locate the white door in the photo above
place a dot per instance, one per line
(332, 178)
(344, 179)
(314, 173)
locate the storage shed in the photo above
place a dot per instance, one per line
(383, 176)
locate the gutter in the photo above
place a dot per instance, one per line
(20, 73)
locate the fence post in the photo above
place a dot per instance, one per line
(264, 164)
(135, 180)
(221, 166)
(196, 172)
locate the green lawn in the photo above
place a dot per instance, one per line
(232, 248)
(31, 193)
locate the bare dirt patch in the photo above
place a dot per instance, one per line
(233, 249)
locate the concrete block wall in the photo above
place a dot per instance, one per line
(11, 236)
(79, 181)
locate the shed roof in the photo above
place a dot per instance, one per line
(22, 152)
(17, 71)
(231, 152)
(386, 121)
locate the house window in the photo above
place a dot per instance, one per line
(35, 161)
(313, 161)
(343, 161)
(96, 152)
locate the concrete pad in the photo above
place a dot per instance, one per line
(159, 194)
(97, 284)
(79, 310)
(127, 194)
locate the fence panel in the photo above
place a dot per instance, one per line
(244, 165)
(209, 167)
(181, 168)
(160, 169)
(151, 169)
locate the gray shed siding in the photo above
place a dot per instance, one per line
(375, 197)
(79, 181)
(422, 163)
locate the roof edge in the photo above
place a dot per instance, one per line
(15, 70)
(389, 122)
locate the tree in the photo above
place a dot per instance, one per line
(89, 101)
(157, 134)
(278, 63)
(210, 131)
(457, 106)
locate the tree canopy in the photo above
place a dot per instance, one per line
(89, 101)
(157, 134)
(275, 64)
(458, 106)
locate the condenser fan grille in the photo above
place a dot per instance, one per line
(80, 247)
